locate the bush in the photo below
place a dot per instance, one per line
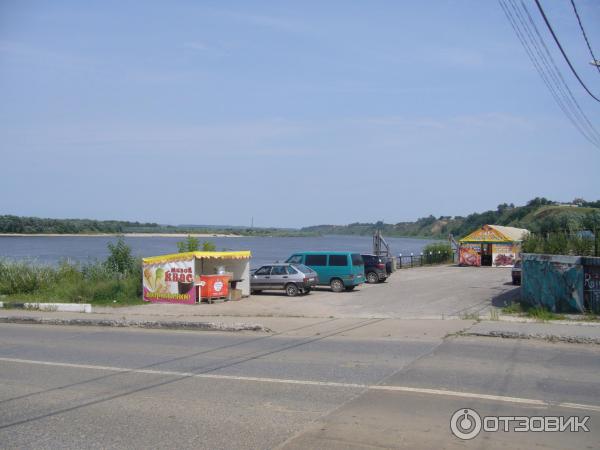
(437, 253)
(208, 247)
(191, 244)
(577, 244)
(120, 260)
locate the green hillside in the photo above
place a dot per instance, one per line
(538, 215)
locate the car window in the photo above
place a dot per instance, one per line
(357, 260)
(278, 270)
(316, 260)
(295, 259)
(368, 259)
(338, 260)
(291, 270)
(302, 268)
(264, 270)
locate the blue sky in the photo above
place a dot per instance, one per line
(296, 113)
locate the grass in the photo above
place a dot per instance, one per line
(534, 312)
(70, 283)
(470, 316)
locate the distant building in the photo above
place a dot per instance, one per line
(491, 245)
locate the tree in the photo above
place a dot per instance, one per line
(191, 244)
(120, 260)
(208, 247)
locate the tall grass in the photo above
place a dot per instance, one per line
(74, 283)
(560, 244)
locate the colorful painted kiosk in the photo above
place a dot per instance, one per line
(195, 276)
(491, 245)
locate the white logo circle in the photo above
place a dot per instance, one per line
(218, 286)
(465, 424)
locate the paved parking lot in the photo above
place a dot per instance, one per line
(424, 292)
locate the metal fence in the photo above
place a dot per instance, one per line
(424, 259)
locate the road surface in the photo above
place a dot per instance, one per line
(331, 384)
(422, 292)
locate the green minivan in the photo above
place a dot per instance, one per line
(340, 270)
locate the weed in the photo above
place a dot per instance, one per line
(470, 316)
(513, 308)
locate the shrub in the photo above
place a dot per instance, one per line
(577, 244)
(438, 252)
(120, 260)
(191, 244)
(208, 246)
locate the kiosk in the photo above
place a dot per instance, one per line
(195, 276)
(491, 245)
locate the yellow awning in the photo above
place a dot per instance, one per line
(242, 254)
(496, 233)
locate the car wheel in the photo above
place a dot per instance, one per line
(337, 285)
(291, 290)
(372, 277)
(307, 290)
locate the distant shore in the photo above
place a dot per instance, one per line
(173, 235)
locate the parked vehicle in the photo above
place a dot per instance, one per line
(375, 270)
(516, 272)
(339, 270)
(292, 278)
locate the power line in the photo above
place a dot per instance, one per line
(563, 52)
(571, 98)
(589, 46)
(549, 73)
(538, 66)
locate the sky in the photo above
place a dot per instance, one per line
(291, 113)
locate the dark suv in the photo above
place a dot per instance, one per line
(375, 270)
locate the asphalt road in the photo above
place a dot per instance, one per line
(326, 385)
(423, 292)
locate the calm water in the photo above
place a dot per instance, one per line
(50, 250)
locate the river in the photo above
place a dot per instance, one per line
(53, 249)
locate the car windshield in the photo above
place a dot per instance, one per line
(302, 268)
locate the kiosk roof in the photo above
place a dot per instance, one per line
(242, 254)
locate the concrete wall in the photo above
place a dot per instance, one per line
(557, 282)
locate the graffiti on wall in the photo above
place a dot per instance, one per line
(553, 283)
(591, 288)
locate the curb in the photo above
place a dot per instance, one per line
(124, 323)
(543, 337)
(53, 307)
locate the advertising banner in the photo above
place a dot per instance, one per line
(503, 255)
(469, 255)
(170, 282)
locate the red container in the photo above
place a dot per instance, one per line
(214, 286)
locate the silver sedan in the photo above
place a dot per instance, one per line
(292, 278)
